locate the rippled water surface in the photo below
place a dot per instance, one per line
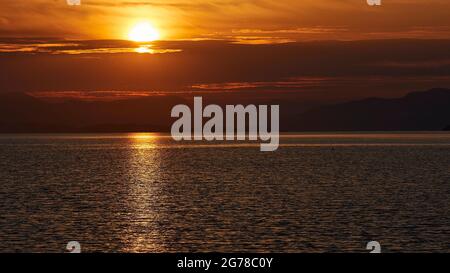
(147, 193)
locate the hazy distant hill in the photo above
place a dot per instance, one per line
(428, 110)
(23, 113)
(20, 113)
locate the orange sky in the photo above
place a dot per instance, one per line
(254, 21)
(226, 45)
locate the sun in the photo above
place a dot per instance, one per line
(143, 32)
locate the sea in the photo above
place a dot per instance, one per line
(145, 192)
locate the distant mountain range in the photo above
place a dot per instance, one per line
(418, 111)
(21, 113)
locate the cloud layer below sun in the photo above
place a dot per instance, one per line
(353, 67)
(250, 21)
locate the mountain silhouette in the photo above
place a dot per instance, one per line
(21, 113)
(421, 111)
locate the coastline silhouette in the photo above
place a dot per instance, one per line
(417, 111)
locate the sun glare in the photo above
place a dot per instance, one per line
(143, 32)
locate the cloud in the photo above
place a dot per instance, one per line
(58, 46)
(183, 19)
(220, 65)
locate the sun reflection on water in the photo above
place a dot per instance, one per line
(142, 233)
(143, 140)
(143, 136)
